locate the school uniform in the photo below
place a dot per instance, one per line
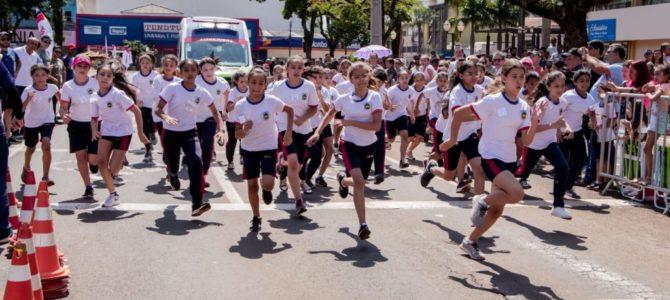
(396, 120)
(468, 142)
(574, 149)
(234, 97)
(79, 129)
(145, 94)
(112, 110)
(39, 115)
(205, 122)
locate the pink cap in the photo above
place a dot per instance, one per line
(527, 61)
(71, 46)
(82, 59)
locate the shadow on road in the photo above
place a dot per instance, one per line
(96, 216)
(556, 238)
(293, 224)
(444, 197)
(169, 225)
(363, 255)
(485, 243)
(508, 284)
(253, 247)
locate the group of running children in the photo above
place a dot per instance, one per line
(291, 127)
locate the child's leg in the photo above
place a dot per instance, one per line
(555, 156)
(83, 159)
(116, 161)
(404, 144)
(28, 155)
(530, 159)
(46, 157)
(478, 173)
(252, 191)
(104, 153)
(505, 190)
(328, 154)
(358, 182)
(648, 154)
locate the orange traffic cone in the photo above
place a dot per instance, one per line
(29, 193)
(45, 242)
(18, 285)
(26, 237)
(13, 210)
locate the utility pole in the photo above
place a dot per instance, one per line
(376, 20)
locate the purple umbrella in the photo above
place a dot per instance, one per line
(365, 52)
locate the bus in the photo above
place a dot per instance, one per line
(223, 38)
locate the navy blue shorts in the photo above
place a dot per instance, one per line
(493, 167)
(81, 137)
(357, 157)
(327, 132)
(119, 142)
(258, 162)
(470, 146)
(34, 135)
(419, 126)
(396, 126)
(297, 147)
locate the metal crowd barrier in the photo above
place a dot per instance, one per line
(625, 121)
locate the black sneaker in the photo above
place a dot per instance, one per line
(13, 140)
(300, 207)
(93, 169)
(427, 175)
(174, 181)
(309, 183)
(320, 181)
(364, 232)
(88, 193)
(463, 187)
(344, 191)
(203, 208)
(524, 184)
(255, 224)
(404, 164)
(207, 184)
(379, 178)
(267, 197)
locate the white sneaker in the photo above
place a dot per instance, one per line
(111, 200)
(118, 180)
(478, 211)
(561, 212)
(305, 188)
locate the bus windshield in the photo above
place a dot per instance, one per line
(220, 40)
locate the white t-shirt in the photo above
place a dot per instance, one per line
(182, 104)
(272, 86)
(361, 110)
(437, 99)
(460, 96)
(301, 98)
(40, 109)
(345, 87)
(552, 114)
(144, 84)
(427, 71)
(159, 85)
(235, 95)
(399, 98)
(23, 77)
(316, 119)
(263, 115)
(79, 97)
(577, 107)
(605, 132)
(487, 81)
(423, 106)
(218, 91)
(112, 109)
(338, 78)
(501, 119)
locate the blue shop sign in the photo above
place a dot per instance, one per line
(604, 30)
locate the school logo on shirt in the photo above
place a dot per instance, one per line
(266, 115)
(109, 104)
(523, 115)
(304, 96)
(560, 111)
(367, 106)
(218, 92)
(197, 100)
(151, 81)
(90, 91)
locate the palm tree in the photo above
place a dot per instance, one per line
(503, 14)
(422, 16)
(478, 14)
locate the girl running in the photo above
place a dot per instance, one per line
(237, 93)
(362, 111)
(551, 125)
(398, 115)
(75, 111)
(256, 127)
(343, 75)
(380, 77)
(301, 95)
(278, 76)
(110, 106)
(502, 115)
(143, 81)
(314, 153)
(219, 90)
(437, 98)
(182, 100)
(483, 80)
(417, 128)
(39, 119)
(169, 65)
(329, 95)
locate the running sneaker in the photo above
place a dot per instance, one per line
(93, 168)
(24, 175)
(88, 193)
(319, 181)
(174, 181)
(153, 138)
(478, 211)
(343, 190)
(463, 187)
(207, 184)
(126, 162)
(571, 193)
(49, 181)
(305, 188)
(283, 186)
(221, 141)
(111, 200)
(410, 156)
(524, 184)
(118, 180)
(379, 178)
(148, 157)
(255, 224)
(404, 164)
(231, 166)
(561, 212)
(336, 150)
(466, 176)
(364, 232)
(267, 197)
(310, 183)
(427, 175)
(203, 208)
(300, 207)
(472, 250)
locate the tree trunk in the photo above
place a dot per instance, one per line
(575, 31)
(499, 39)
(57, 17)
(472, 39)
(420, 33)
(396, 43)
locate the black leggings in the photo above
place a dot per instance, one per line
(206, 132)
(555, 156)
(232, 141)
(313, 158)
(380, 150)
(186, 141)
(575, 153)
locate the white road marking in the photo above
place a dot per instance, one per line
(241, 206)
(226, 185)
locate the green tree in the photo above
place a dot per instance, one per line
(56, 10)
(307, 14)
(478, 14)
(20, 10)
(397, 12)
(422, 16)
(342, 21)
(503, 14)
(570, 16)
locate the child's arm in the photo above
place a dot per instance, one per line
(30, 96)
(140, 125)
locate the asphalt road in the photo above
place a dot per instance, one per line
(150, 248)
